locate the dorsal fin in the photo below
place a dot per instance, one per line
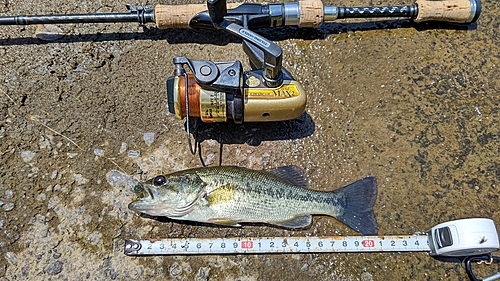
(291, 174)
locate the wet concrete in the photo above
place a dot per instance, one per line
(416, 106)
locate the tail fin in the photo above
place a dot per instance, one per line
(357, 200)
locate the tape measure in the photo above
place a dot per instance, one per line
(457, 238)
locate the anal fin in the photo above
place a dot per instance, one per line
(225, 221)
(295, 222)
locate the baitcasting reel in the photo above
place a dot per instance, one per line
(217, 92)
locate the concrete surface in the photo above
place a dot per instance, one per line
(415, 105)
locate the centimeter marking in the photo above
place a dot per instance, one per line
(325, 244)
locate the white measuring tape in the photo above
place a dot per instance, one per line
(455, 238)
(217, 246)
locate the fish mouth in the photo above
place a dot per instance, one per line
(145, 191)
(148, 198)
(150, 203)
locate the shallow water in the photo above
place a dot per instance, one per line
(416, 106)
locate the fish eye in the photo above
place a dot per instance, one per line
(159, 180)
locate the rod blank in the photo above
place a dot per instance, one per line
(73, 18)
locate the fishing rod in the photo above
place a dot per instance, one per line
(304, 14)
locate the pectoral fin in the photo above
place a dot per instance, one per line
(295, 222)
(226, 222)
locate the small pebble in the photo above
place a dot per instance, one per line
(175, 269)
(123, 148)
(118, 179)
(113, 274)
(99, 152)
(71, 154)
(133, 153)
(209, 158)
(202, 275)
(8, 207)
(149, 138)
(54, 268)
(56, 255)
(79, 179)
(27, 155)
(365, 276)
(9, 193)
(11, 257)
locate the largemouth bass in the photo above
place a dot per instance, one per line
(227, 195)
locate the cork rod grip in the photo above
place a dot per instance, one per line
(457, 11)
(179, 16)
(311, 13)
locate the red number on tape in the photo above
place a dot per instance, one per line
(246, 244)
(368, 243)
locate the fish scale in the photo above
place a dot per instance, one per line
(266, 202)
(264, 207)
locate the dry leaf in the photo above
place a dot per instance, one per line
(48, 32)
